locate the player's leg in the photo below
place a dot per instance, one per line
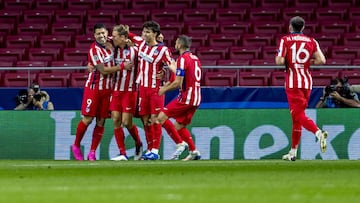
(80, 132)
(96, 138)
(119, 136)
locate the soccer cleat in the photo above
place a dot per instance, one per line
(322, 140)
(193, 155)
(120, 157)
(152, 156)
(180, 148)
(91, 156)
(138, 152)
(77, 153)
(289, 157)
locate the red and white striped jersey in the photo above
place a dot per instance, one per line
(97, 55)
(298, 49)
(125, 79)
(189, 66)
(151, 59)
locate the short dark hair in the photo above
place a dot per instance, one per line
(99, 26)
(185, 41)
(297, 23)
(153, 26)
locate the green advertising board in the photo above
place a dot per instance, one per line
(218, 134)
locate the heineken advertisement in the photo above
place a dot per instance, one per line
(218, 134)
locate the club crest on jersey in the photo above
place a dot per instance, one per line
(146, 57)
(126, 52)
(107, 59)
(156, 52)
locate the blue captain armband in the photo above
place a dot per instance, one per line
(180, 72)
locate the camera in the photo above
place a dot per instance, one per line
(22, 97)
(344, 91)
(329, 89)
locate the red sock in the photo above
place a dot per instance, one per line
(80, 132)
(157, 136)
(295, 135)
(170, 129)
(135, 135)
(149, 137)
(120, 140)
(97, 135)
(186, 136)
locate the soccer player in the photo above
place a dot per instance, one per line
(297, 51)
(124, 96)
(152, 58)
(97, 91)
(188, 77)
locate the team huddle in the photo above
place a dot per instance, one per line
(128, 76)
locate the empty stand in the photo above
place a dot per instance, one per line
(327, 39)
(21, 41)
(242, 3)
(208, 62)
(338, 27)
(268, 27)
(6, 64)
(38, 16)
(145, 4)
(53, 79)
(345, 52)
(213, 53)
(247, 53)
(323, 77)
(226, 40)
(210, 4)
(352, 75)
(178, 4)
(308, 3)
(277, 78)
(130, 16)
(341, 3)
(198, 15)
(263, 62)
(6, 29)
(171, 28)
(230, 14)
(12, 54)
(81, 4)
(55, 41)
(70, 16)
(257, 78)
(306, 13)
(83, 41)
(32, 64)
(102, 16)
(66, 63)
(19, 5)
(351, 39)
(257, 39)
(274, 3)
(168, 15)
(66, 29)
(78, 79)
(50, 5)
(269, 52)
(111, 4)
(220, 78)
(354, 13)
(202, 27)
(233, 62)
(44, 54)
(267, 14)
(18, 79)
(32, 29)
(10, 16)
(330, 13)
(198, 40)
(338, 62)
(235, 27)
(75, 54)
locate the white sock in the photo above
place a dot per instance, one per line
(318, 133)
(293, 151)
(155, 151)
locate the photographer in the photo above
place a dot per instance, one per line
(33, 99)
(338, 95)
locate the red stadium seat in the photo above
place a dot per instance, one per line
(338, 27)
(133, 15)
(178, 4)
(75, 54)
(267, 14)
(12, 54)
(233, 62)
(354, 13)
(202, 27)
(214, 53)
(6, 29)
(247, 53)
(311, 27)
(6, 63)
(327, 40)
(220, 78)
(102, 16)
(308, 3)
(78, 79)
(341, 3)
(268, 27)
(10, 17)
(50, 5)
(277, 78)
(351, 39)
(209, 4)
(352, 75)
(242, 4)
(168, 15)
(83, 41)
(274, 3)
(66, 67)
(198, 40)
(53, 79)
(306, 13)
(330, 13)
(38, 16)
(269, 52)
(338, 62)
(145, 4)
(32, 29)
(19, 79)
(257, 40)
(67, 29)
(55, 41)
(70, 16)
(235, 27)
(230, 14)
(21, 41)
(111, 4)
(66, 63)
(197, 15)
(323, 77)
(171, 28)
(19, 5)
(44, 54)
(224, 39)
(209, 62)
(257, 78)
(345, 52)
(81, 4)
(263, 62)
(32, 64)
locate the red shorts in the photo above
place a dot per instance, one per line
(124, 102)
(149, 101)
(298, 98)
(96, 103)
(182, 113)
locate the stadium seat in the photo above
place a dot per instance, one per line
(257, 39)
(209, 62)
(230, 14)
(21, 41)
(7, 29)
(268, 27)
(247, 53)
(168, 15)
(338, 27)
(66, 63)
(32, 29)
(202, 27)
(82, 4)
(220, 79)
(257, 78)
(38, 16)
(306, 13)
(224, 39)
(44, 54)
(178, 4)
(18, 5)
(75, 54)
(198, 40)
(139, 16)
(10, 17)
(323, 77)
(32, 64)
(111, 4)
(354, 13)
(70, 16)
(308, 3)
(274, 3)
(145, 4)
(351, 39)
(263, 62)
(12, 54)
(66, 67)
(327, 39)
(345, 52)
(6, 64)
(269, 53)
(66, 29)
(198, 15)
(213, 53)
(277, 78)
(338, 62)
(50, 5)
(102, 16)
(330, 14)
(53, 80)
(233, 62)
(78, 79)
(55, 41)
(311, 27)
(235, 27)
(341, 3)
(89, 27)
(242, 4)
(356, 62)
(264, 14)
(352, 75)
(209, 4)
(171, 28)
(19, 79)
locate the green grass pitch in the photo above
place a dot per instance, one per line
(177, 181)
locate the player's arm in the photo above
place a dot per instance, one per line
(108, 70)
(319, 58)
(279, 60)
